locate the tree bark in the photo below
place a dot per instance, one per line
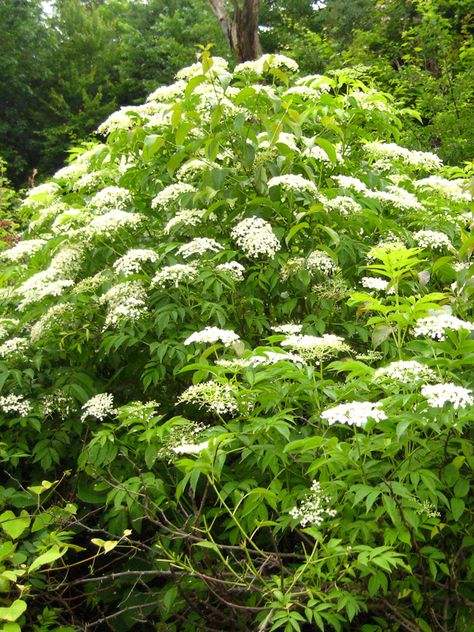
(240, 29)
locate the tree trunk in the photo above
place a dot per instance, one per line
(241, 30)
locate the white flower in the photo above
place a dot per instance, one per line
(23, 250)
(433, 239)
(450, 189)
(319, 261)
(392, 151)
(100, 406)
(344, 205)
(111, 199)
(436, 325)
(6, 324)
(217, 69)
(111, 223)
(15, 404)
(233, 269)
(349, 182)
(316, 347)
(125, 302)
(217, 397)
(438, 395)
(354, 413)
(186, 217)
(90, 181)
(120, 119)
(273, 357)
(397, 197)
(293, 182)
(189, 448)
(41, 285)
(290, 328)
(313, 508)
(13, 347)
(172, 193)
(198, 247)
(264, 64)
(170, 93)
(375, 283)
(53, 316)
(193, 168)
(405, 371)
(174, 275)
(213, 334)
(131, 262)
(255, 236)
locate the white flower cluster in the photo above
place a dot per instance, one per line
(191, 448)
(264, 64)
(354, 413)
(398, 197)
(269, 358)
(186, 217)
(213, 334)
(313, 508)
(344, 205)
(89, 285)
(319, 261)
(22, 250)
(193, 168)
(438, 395)
(450, 189)
(436, 325)
(131, 262)
(392, 151)
(375, 283)
(40, 285)
(13, 347)
(90, 181)
(256, 237)
(288, 329)
(48, 320)
(217, 397)
(316, 347)
(170, 93)
(369, 100)
(15, 404)
(58, 403)
(404, 371)
(6, 325)
(67, 261)
(386, 246)
(125, 301)
(349, 182)
(109, 224)
(70, 218)
(111, 199)
(121, 119)
(217, 70)
(172, 193)
(306, 93)
(267, 140)
(174, 275)
(199, 247)
(100, 406)
(293, 182)
(432, 239)
(233, 269)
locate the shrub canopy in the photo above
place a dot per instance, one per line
(236, 353)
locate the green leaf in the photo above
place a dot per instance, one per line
(328, 148)
(13, 525)
(14, 611)
(52, 555)
(457, 508)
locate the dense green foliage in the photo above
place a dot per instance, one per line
(305, 463)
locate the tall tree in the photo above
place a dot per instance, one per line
(240, 27)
